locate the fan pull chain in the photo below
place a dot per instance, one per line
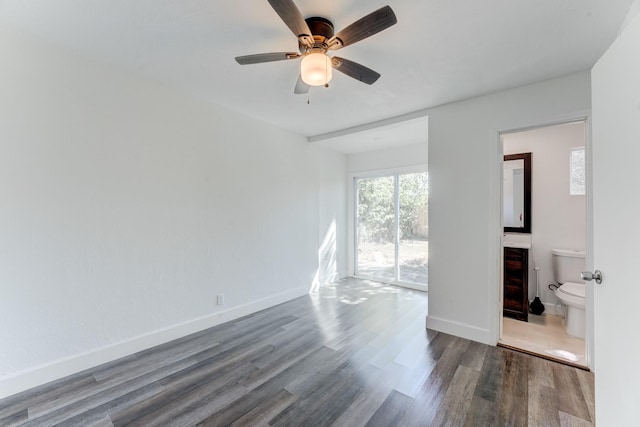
(326, 73)
(308, 97)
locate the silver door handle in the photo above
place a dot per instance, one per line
(588, 276)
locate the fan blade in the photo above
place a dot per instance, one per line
(301, 87)
(365, 27)
(290, 14)
(355, 70)
(266, 57)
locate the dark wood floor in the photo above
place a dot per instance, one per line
(356, 354)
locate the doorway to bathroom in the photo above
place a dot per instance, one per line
(543, 218)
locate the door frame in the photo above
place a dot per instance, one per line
(352, 230)
(497, 297)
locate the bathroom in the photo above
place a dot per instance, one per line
(554, 232)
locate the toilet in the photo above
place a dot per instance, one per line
(567, 266)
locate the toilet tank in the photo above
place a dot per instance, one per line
(567, 265)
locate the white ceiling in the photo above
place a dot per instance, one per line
(440, 51)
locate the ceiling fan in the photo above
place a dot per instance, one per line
(316, 38)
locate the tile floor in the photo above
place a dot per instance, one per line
(544, 335)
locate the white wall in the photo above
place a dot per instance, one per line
(332, 198)
(557, 218)
(391, 158)
(126, 208)
(464, 206)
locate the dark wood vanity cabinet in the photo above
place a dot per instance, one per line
(516, 283)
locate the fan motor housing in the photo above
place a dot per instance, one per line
(321, 30)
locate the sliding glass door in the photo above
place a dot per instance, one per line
(376, 228)
(413, 249)
(392, 228)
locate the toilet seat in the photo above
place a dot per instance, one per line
(573, 289)
(572, 294)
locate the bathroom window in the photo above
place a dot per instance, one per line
(577, 172)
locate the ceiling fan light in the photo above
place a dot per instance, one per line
(315, 69)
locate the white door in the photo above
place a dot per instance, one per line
(616, 229)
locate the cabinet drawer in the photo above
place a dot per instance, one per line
(513, 298)
(513, 268)
(515, 286)
(515, 254)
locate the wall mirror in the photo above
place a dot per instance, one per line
(516, 193)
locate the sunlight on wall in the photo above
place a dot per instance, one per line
(327, 259)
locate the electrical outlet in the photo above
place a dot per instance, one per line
(220, 299)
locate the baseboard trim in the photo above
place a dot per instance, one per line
(61, 368)
(554, 309)
(462, 330)
(406, 285)
(414, 286)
